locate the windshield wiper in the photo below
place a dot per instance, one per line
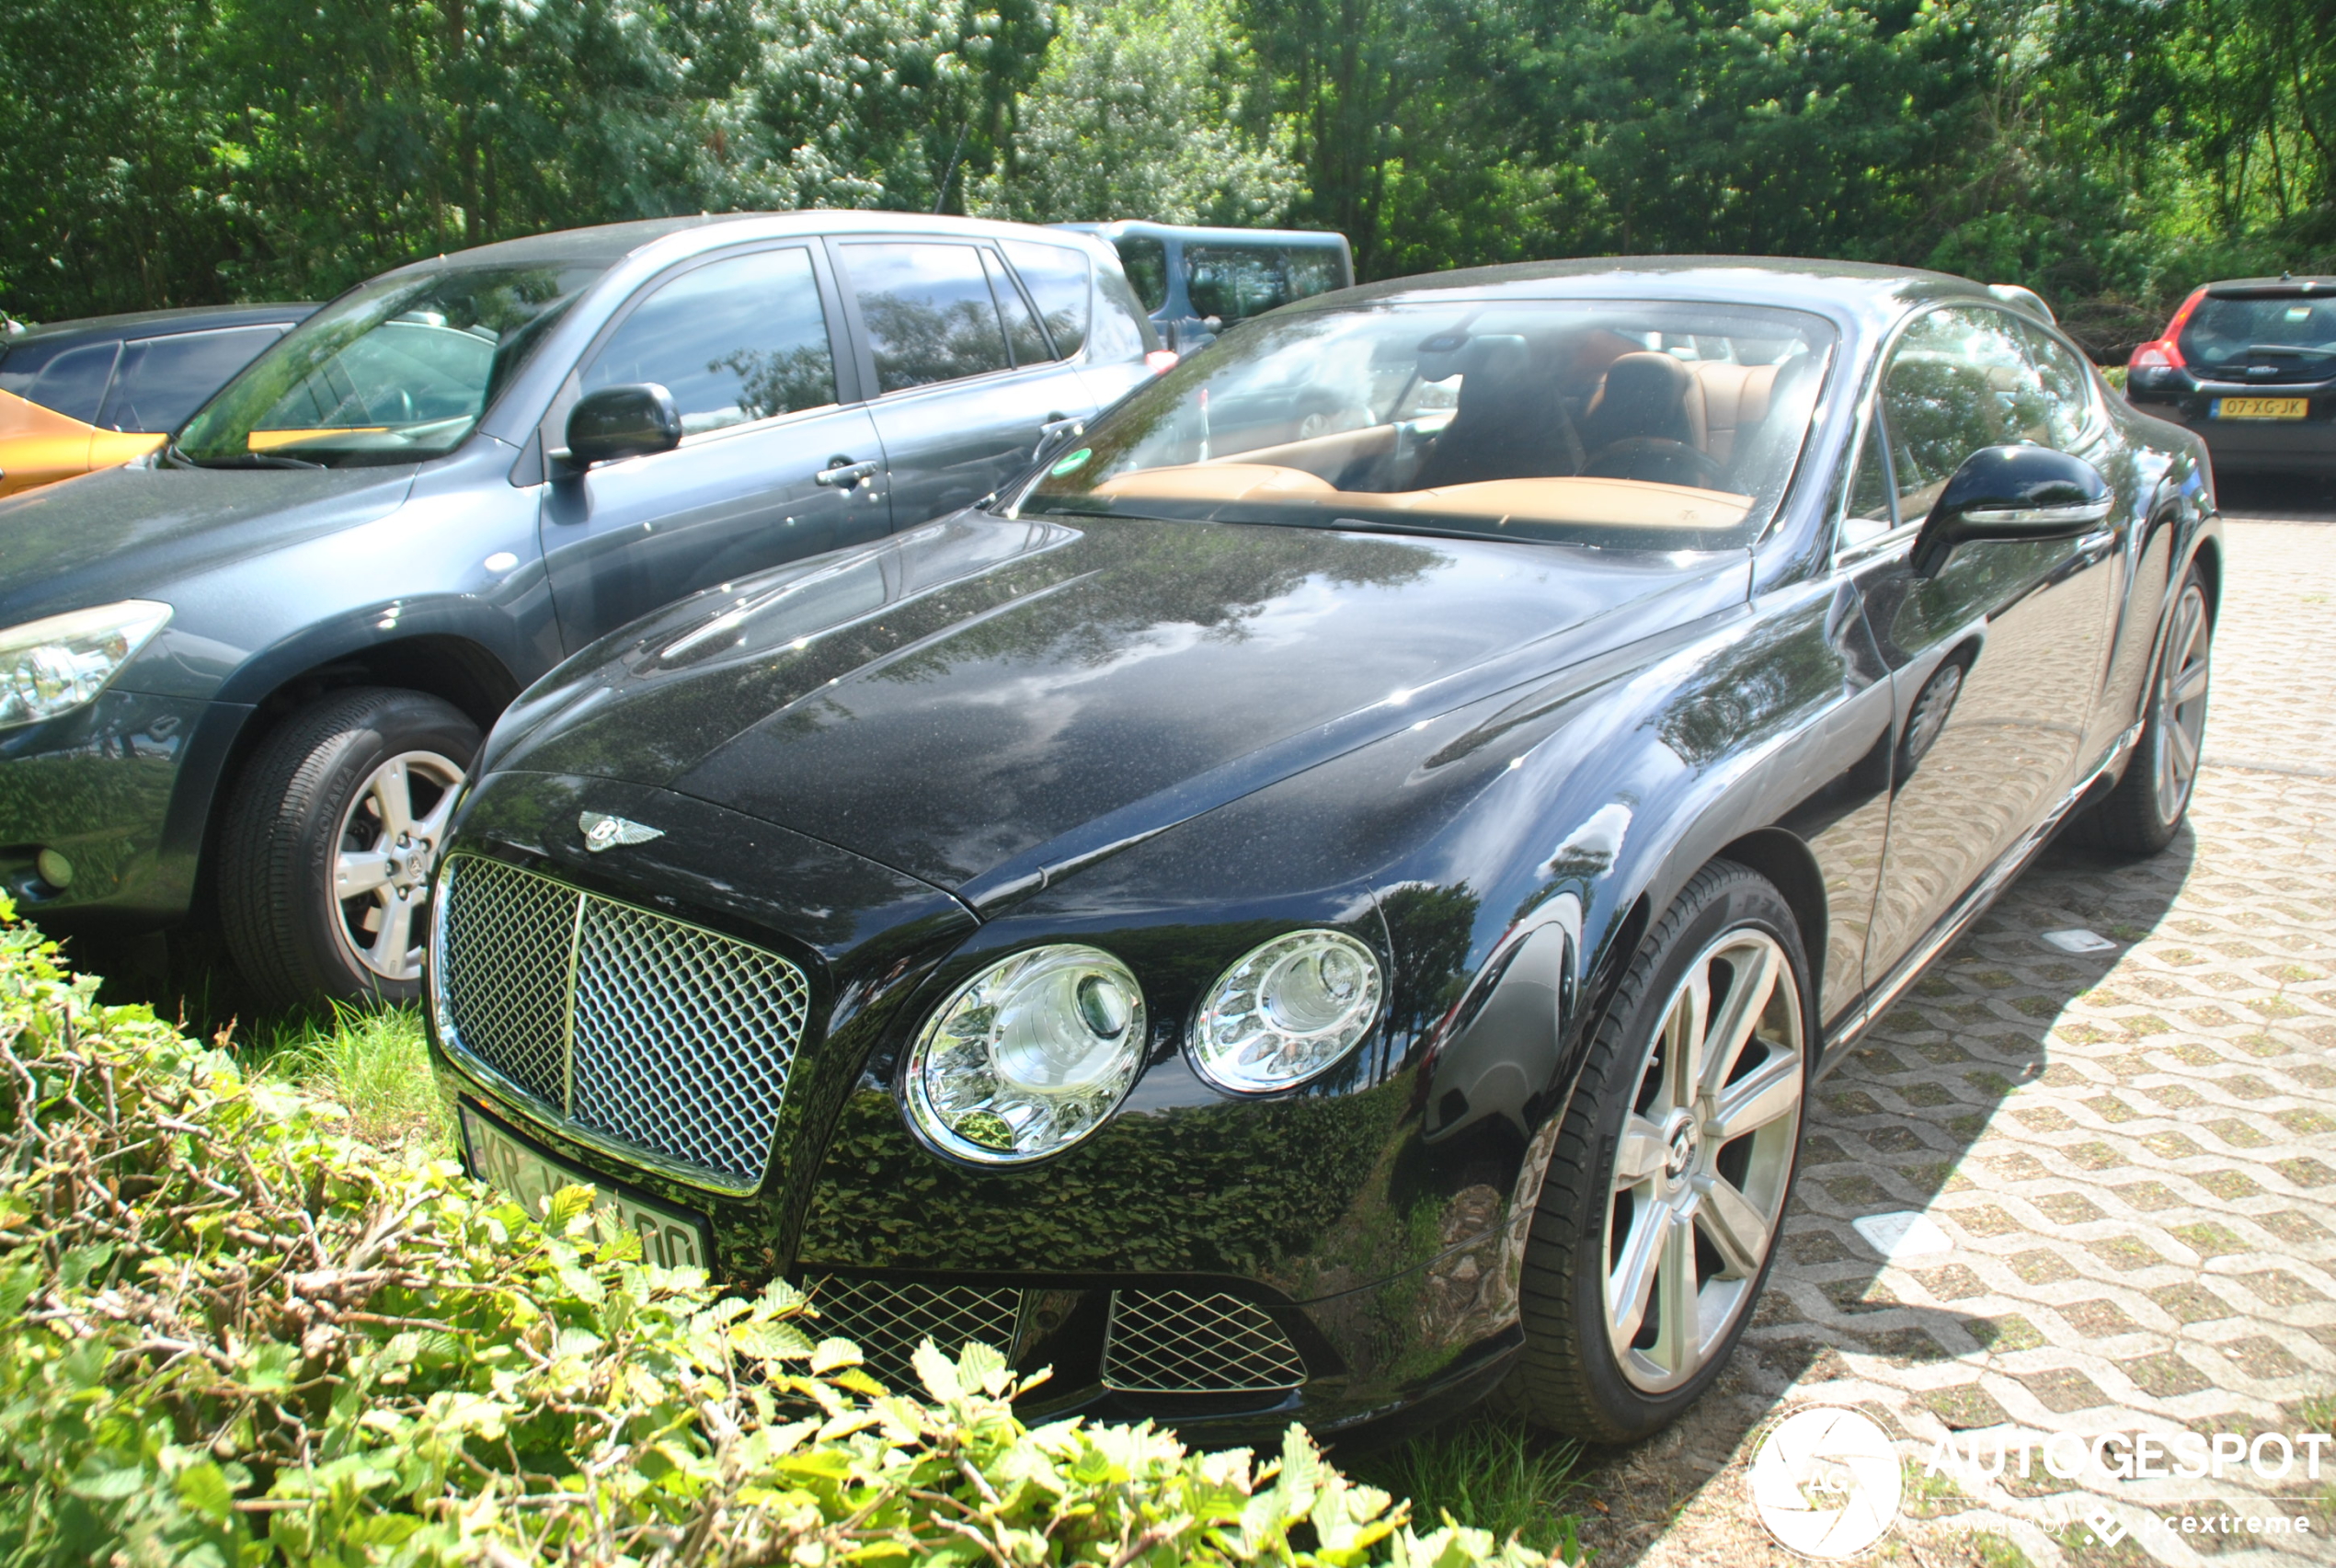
(177, 453)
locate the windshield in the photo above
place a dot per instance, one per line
(1657, 424)
(396, 372)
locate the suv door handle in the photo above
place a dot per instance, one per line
(1057, 424)
(842, 474)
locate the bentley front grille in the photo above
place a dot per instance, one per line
(1170, 1342)
(888, 1320)
(657, 1034)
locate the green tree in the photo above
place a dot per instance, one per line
(1143, 112)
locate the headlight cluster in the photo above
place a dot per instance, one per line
(1029, 1056)
(1033, 1053)
(1288, 1010)
(52, 666)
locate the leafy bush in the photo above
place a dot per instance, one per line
(231, 1336)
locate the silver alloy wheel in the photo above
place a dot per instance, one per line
(388, 845)
(1704, 1161)
(2181, 703)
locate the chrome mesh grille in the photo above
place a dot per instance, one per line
(502, 959)
(1172, 1342)
(887, 1320)
(647, 1031)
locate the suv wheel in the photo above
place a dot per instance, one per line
(1661, 1206)
(329, 840)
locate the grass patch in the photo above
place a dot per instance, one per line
(1498, 1475)
(372, 1062)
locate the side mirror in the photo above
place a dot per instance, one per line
(623, 421)
(2012, 492)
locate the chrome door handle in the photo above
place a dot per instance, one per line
(1057, 424)
(842, 474)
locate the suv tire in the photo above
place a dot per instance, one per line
(328, 842)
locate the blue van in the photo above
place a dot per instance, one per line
(1195, 282)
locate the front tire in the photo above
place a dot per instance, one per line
(328, 843)
(1660, 1209)
(2142, 815)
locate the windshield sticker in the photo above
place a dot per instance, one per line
(1072, 463)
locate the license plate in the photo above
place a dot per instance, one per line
(2260, 408)
(508, 1164)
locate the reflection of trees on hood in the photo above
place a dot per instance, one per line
(917, 345)
(1143, 576)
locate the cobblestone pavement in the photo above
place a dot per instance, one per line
(2131, 1153)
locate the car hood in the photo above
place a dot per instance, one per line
(984, 704)
(133, 531)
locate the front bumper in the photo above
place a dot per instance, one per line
(1225, 1265)
(119, 787)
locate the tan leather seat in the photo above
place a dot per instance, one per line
(1733, 400)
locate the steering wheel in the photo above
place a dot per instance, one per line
(1658, 460)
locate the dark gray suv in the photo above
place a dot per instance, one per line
(247, 674)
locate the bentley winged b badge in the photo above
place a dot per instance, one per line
(602, 831)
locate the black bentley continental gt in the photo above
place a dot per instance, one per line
(1328, 894)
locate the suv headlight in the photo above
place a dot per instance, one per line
(1029, 1056)
(1286, 1010)
(52, 666)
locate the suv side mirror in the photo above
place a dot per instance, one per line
(615, 422)
(2012, 492)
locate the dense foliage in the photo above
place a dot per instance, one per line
(230, 1336)
(2109, 153)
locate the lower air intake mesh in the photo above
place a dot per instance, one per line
(887, 1320)
(1172, 1342)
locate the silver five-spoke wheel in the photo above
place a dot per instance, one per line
(1704, 1161)
(389, 842)
(2181, 702)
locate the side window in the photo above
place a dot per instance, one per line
(928, 310)
(1313, 269)
(734, 340)
(1056, 277)
(74, 384)
(163, 380)
(1232, 282)
(2068, 390)
(1121, 331)
(1958, 380)
(1022, 327)
(1146, 261)
(1868, 515)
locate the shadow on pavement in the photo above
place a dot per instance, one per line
(1889, 1132)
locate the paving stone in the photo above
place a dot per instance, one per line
(2064, 1389)
(2100, 1318)
(2165, 1375)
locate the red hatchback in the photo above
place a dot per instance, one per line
(2250, 365)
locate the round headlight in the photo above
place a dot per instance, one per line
(1287, 1010)
(1029, 1056)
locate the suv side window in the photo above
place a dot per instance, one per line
(1958, 380)
(1056, 277)
(1029, 339)
(735, 340)
(2068, 390)
(1232, 282)
(928, 310)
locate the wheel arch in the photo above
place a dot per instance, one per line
(453, 664)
